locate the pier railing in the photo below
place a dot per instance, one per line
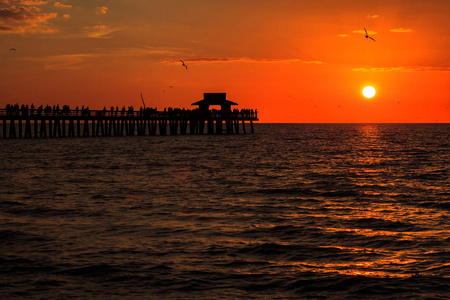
(146, 113)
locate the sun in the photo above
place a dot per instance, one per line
(369, 91)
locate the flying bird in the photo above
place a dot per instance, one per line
(369, 37)
(12, 49)
(184, 65)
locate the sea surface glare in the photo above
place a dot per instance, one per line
(325, 211)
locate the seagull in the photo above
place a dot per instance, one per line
(184, 65)
(367, 35)
(12, 49)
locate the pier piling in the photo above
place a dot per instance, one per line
(73, 125)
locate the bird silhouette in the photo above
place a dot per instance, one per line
(12, 49)
(184, 65)
(369, 37)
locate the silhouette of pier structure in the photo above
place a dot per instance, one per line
(27, 122)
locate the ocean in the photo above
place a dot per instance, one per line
(294, 211)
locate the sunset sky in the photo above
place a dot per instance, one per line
(295, 61)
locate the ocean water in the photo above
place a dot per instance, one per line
(294, 211)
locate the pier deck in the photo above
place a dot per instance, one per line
(96, 123)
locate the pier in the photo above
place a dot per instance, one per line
(25, 122)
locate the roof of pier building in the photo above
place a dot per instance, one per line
(214, 99)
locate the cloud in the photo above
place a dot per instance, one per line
(145, 51)
(401, 30)
(404, 69)
(30, 2)
(63, 62)
(17, 14)
(101, 10)
(342, 35)
(78, 61)
(241, 59)
(99, 31)
(363, 32)
(66, 62)
(59, 4)
(23, 2)
(19, 19)
(373, 16)
(142, 52)
(5, 29)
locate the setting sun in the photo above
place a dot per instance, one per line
(368, 91)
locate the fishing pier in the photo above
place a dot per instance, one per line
(27, 122)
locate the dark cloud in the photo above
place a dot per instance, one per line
(24, 17)
(4, 28)
(17, 14)
(23, 2)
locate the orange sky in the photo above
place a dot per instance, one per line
(295, 61)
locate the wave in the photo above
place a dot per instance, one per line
(17, 236)
(382, 224)
(313, 192)
(92, 270)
